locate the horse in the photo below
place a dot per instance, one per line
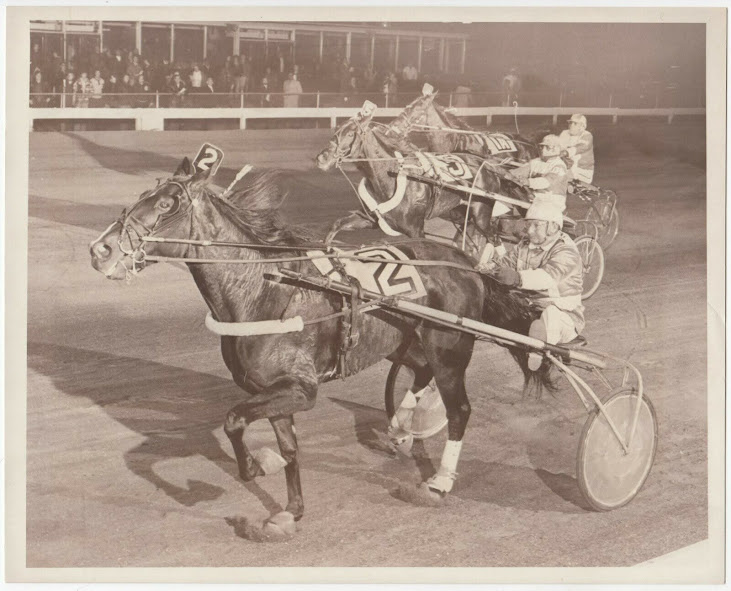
(279, 370)
(424, 117)
(397, 204)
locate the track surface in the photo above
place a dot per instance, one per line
(127, 461)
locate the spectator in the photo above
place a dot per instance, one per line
(112, 90)
(143, 98)
(178, 89)
(134, 69)
(292, 89)
(38, 90)
(196, 78)
(265, 90)
(69, 90)
(97, 87)
(82, 90)
(117, 66)
(36, 60)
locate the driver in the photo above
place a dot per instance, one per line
(547, 176)
(548, 262)
(579, 144)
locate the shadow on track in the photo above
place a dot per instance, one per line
(176, 410)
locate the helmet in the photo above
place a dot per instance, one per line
(546, 212)
(580, 119)
(553, 143)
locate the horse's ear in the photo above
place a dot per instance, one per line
(201, 176)
(185, 168)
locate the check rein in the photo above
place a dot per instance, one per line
(133, 230)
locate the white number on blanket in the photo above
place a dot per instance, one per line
(497, 142)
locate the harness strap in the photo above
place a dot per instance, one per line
(374, 207)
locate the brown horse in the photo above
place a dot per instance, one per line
(397, 202)
(445, 133)
(279, 370)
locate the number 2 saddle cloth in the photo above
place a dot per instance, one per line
(383, 277)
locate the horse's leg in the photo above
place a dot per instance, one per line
(355, 220)
(449, 362)
(277, 402)
(285, 432)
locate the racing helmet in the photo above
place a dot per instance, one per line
(580, 119)
(546, 212)
(553, 144)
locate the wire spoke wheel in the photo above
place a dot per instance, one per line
(592, 257)
(605, 215)
(608, 477)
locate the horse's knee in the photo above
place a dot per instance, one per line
(234, 422)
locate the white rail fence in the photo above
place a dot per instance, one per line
(154, 119)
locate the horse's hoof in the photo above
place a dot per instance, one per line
(280, 526)
(422, 495)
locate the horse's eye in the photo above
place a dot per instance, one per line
(351, 134)
(165, 204)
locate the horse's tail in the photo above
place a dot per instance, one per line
(510, 310)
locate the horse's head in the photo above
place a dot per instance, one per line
(120, 250)
(415, 113)
(348, 139)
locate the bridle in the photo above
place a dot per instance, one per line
(133, 231)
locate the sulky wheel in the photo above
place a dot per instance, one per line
(605, 215)
(592, 256)
(429, 415)
(608, 477)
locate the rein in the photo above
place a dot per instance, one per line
(335, 255)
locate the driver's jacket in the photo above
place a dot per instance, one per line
(580, 148)
(555, 270)
(549, 179)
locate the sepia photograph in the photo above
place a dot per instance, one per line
(303, 288)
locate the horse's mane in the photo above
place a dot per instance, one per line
(255, 208)
(453, 121)
(392, 142)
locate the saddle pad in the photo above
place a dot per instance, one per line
(498, 143)
(385, 278)
(449, 168)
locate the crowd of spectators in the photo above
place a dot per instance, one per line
(116, 78)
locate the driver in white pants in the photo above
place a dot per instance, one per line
(579, 144)
(547, 261)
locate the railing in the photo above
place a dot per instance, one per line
(668, 98)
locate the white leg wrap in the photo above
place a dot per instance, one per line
(444, 479)
(269, 460)
(450, 455)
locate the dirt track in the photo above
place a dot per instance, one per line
(127, 461)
